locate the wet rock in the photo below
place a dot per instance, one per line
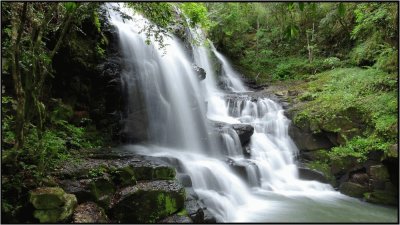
(194, 211)
(244, 132)
(47, 211)
(185, 180)
(176, 218)
(89, 212)
(209, 217)
(382, 197)
(306, 141)
(147, 202)
(200, 72)
(246, 169)
(353, 189)
(310, 174)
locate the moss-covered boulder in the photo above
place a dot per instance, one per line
(154, 172)
(148, 202)
(102, 189)
(381, 197)
(379, 172)
(57, 212)
(124, 176)
(89, 212)
(353, 189)
(47, 197)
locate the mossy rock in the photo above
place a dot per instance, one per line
(147, 202)
(102, 189)
(154, 173)
(379, 172)
(47, 197)
(57, 215)
(353, 189)
(124, 176)
(381, 197)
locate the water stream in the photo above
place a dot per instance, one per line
(179, 108)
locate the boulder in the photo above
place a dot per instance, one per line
(200, 72)
(47, 197)
(194, 211)
(353, 189)
(244, 132)
(89, 212)
(147, 202)
(310, 174)
(379, 173)
(382, 197)
(247, 170)
(102, 189)
(306, 141)
(185, 180)
(48, 212)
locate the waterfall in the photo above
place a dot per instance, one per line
(178, 125)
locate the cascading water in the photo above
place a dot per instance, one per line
(178, 128)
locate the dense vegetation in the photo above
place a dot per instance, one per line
(345, 56)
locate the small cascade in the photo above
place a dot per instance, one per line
(231, 77)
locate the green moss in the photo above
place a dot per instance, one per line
(59, 214)
(124, 176)
(353, 189)
(381, 197)
(323, 167)
(47, 198)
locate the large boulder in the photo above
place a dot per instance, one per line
(89, 212)
(47, 197)
(52, 204)
(244, 132)
(147, 202)
(353, 189)
(310, 174)
(307, 141)
(382, 197)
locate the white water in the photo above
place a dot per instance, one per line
(178, 129)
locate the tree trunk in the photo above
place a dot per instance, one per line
(16, 75)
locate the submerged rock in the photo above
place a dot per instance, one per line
(147, 202)
(89, 212)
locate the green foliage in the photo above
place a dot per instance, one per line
(160, 13)
(359, 148)
(340, 99)
(196, 13)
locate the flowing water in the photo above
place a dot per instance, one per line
(178, 108)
